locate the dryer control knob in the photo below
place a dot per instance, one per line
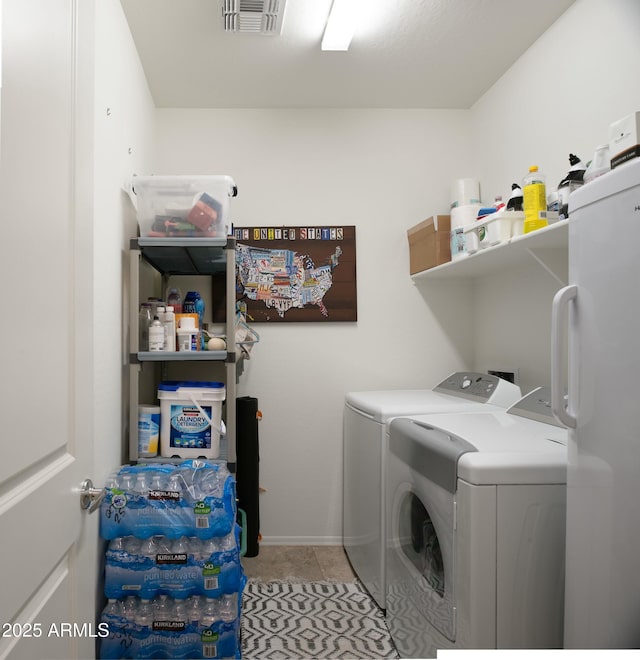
(465, 383)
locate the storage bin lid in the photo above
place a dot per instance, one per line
(174, 385)
(185, 183)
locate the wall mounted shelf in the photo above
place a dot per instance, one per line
(541, 246)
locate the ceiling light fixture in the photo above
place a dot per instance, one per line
(341, 25)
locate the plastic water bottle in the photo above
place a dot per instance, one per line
(112, 608)
(228, 542)
(132, 545)
(111, 481)
(209, 613)
(179, 610)
(144, 614)
(162, 608)
(129, 607)
(228, 607)
(195, 547)
(534, 200)
(175, 483)
(194, 609)
(156, 482)
(117, 544)
(209, 548)
(156, 335)
(125, 482)
(180, 546)
(141, 486)
(149, 548)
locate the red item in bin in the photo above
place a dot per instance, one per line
(205, 212)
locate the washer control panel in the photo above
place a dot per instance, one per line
(473, 384)
(537, 406)
(480, 387)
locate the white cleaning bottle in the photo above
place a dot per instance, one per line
(156, 335)
(169, 324)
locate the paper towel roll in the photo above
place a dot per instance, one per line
(465, 191)
(463, 216)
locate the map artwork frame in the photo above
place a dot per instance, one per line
(297, 274)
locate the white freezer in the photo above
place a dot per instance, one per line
(602, 304)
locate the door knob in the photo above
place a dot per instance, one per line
(90, 497)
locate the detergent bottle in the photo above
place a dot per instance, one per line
(534, 200)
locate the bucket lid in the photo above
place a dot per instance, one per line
(174, 385)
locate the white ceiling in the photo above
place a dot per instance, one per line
(405, 53)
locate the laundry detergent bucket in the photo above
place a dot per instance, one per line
(190, 416)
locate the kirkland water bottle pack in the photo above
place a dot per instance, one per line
(178, 568)
(164, 627)
(193, 498)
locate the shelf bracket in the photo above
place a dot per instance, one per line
(544, 257)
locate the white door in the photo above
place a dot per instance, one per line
(48, 555)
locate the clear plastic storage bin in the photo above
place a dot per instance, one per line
(184, 206)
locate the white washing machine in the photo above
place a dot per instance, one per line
(476, 529)
(365, 420)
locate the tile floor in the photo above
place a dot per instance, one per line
(299, 563)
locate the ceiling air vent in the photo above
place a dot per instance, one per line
(256, 16)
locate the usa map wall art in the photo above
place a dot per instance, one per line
(286, 274)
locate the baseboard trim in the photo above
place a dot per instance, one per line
(301, 540)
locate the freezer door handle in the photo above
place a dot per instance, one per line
(559, 314)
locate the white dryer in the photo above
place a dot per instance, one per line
(476, 529)
(366, 416)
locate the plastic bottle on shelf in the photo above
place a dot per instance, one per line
(194, 304)
(514, 203)
(535, 200)
(169, 325)
(571, 182)
(187, 334)
(144, 321)
(156, 335)
(174, 299)
(600, 164)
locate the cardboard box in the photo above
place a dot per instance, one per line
(624, 139)
(429, 243)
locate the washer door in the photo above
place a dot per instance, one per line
(423, 542)
(422, 478)
(424, 550)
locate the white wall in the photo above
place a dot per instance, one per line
(124, 136)
(558, 98)
(382, 171)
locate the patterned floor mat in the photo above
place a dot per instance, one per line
(294, 621)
